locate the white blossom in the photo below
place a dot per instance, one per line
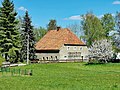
(101, 50)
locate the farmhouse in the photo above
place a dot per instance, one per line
(61, 44)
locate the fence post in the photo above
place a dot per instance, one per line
(19, 71)
(8, 69)
(25, 72)
(31, 73)
(2, 70)
(12, 72)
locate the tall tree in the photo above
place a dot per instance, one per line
(108, 23)
(92, 28)
(52, 25)
(9, 35)
(20, 19)
(116, 36)
(28, 40)
(39, 33)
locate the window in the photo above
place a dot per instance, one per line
(56, 57)
(65, 56)
(74, 54)
(82, 57)
(68, 48)
(80, 48)
(75, 48)
(43, 58)
(51, 57)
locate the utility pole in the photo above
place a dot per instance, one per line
(28, 49)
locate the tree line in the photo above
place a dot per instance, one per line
(101, 35)
(14, 38)
(18, 36)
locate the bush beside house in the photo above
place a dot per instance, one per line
(1, 60)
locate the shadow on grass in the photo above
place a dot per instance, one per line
(94, 64)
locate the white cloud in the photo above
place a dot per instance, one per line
(76, 17)
(22, 8)
(116, 2)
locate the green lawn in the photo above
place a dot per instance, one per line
(65, 76)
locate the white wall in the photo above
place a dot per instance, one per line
(66, 50)
(66, 53)
(47, 56)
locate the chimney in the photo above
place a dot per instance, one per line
(58, 28)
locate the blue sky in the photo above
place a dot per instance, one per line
(64, 11)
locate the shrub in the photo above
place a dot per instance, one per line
(101, 50)
(1, 60)
(94, 62)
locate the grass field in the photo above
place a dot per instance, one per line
(65, 76)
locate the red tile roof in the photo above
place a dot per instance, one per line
(54, 39)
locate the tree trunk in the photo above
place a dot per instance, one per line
(28, 50)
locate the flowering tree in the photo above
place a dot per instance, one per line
(101, 50)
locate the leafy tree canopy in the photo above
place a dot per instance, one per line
(108, 23)
(92, 28)
(39, 33)
(52, 25)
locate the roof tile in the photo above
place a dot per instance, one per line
(54, 39)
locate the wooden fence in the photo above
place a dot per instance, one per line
(15, 72)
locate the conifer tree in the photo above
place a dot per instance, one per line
(9, 35)
(28, 40)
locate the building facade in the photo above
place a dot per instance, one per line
(61, 45)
